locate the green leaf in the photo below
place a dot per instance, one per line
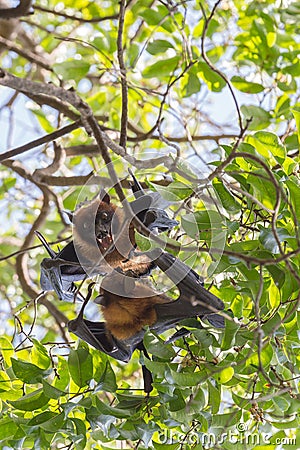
(267, 238)
(296, 114)
(158, 46)
(294, 191)
(6, 350)
(39, 355)
(161, 68)
(228, 201)
(265, 357)
(226, 420)
(54, 424)
(5, 382)
(107, 381)
(130, 401)
(267, 143)
(260, 118)
(177, 402)
(61, 382)
(214, 397)
(293, 69)
(152, 16)
(80, 439)
(198, 401)
(240, 401)
(277, 274)
(281, 403)
(225, 375)
(262, 189)
(51, 391)
(191, 84)
(7, 184)
(31, 402)
(8, 428)
(72, 69)
(27, 372)
(144, 243)
(283, 105)
(231, 328)
(246, 86)
(205, 225)
(287, 425)
(213, 80)
(274, 296)
(41, 418)
(159, 446)
(185, 378)
(80, 366)
(157, 347)
(133, 53)
(111, 411)
(203, 336)
(175, 191)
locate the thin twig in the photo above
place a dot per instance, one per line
(211, 66)
(124, 116)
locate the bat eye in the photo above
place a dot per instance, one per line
(85, 225)
(104, 216)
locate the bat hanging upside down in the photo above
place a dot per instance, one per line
(128, 306)
(103, 240)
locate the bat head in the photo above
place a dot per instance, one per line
(92, 224)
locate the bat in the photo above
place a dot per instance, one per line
(103, 240)
(129, 305)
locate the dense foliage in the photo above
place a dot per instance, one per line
(201, 101)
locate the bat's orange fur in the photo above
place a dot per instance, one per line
(126, 315)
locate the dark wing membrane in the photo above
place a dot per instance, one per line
(140, 206)
(194, 300)
(96, 335)
(215, 320)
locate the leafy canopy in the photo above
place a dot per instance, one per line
(207, 96)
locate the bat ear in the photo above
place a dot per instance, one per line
(104, 196)
(69, 214)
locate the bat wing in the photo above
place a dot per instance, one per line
(56, 274)
(51, 280)
(194, 300)
(96, 335)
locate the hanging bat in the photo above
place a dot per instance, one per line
(128, 306)
(103, 240)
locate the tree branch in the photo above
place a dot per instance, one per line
(27, 54)
(23, 9)
(43, 140)
(73, 17)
